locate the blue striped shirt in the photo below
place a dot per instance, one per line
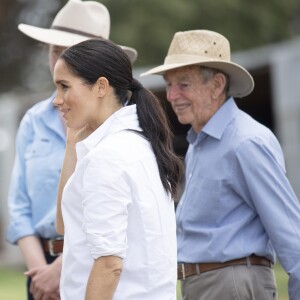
(237, 199)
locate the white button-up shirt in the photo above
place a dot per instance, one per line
(115, 204)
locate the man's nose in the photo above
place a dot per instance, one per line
(172, 93)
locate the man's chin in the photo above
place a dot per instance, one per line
(182, 120)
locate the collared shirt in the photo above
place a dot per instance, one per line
(114, 204)
(40, 146)
(238, 200)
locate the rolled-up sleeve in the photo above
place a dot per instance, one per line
(19, 205)
(105, 204)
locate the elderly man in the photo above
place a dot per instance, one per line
(238, 208)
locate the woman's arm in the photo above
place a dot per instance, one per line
(104, 278)
(68, 167)
(67, 170)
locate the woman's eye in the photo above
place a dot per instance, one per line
(64, 87)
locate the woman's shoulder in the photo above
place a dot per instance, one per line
(126, 144)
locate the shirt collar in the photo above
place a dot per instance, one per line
(216, 125)
(124, 119)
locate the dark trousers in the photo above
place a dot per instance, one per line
(49, 260)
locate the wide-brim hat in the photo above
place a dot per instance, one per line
(76, 22)
(209, 49)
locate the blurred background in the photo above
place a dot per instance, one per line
(264, 37)
(146, 25)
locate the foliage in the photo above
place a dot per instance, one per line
(147, 25)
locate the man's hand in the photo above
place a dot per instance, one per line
(45, 281)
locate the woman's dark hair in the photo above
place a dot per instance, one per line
(96, 58)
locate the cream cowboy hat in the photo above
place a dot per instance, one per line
(76, 22)
(206, 48)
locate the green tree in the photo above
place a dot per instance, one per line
(148, 26)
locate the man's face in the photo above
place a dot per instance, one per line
(54, 53)
(191, 99)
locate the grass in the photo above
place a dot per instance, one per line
(13, 283)
(282, 282)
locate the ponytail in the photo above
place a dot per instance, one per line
(156, 130)
(93, 58)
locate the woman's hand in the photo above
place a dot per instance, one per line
(76, 135)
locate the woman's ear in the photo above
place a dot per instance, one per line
(102, 86)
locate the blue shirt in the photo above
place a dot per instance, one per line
(40, 146)
(237, 199)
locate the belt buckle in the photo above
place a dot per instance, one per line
(182, 270)
(51, 246)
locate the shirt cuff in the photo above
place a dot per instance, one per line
(18, 230)
(100, 246)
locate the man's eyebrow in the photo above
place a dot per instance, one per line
(183, 77)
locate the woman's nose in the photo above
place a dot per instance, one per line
(57, 101)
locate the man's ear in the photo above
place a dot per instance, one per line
(102, 86)
(219, 83)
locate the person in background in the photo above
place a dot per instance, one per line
(118, 181)
(40, 147)
(238, 208)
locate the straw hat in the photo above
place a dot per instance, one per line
(206, 48)
(76, 22)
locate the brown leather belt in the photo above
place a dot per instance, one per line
(186, 270)
(53, 246)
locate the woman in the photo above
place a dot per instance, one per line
(40, 147)
(117, 208)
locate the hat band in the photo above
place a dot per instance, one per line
(182, 58)
(66, 29)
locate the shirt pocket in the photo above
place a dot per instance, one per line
(38, 148)
(204, 199)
